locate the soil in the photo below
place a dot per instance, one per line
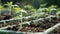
(39, 28)
(5, 17)
(8, 23)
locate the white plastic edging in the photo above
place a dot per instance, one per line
(17, 18)
(51, 29)
(6, 27)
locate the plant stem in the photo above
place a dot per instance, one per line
(0, 12)
(20, 23)
(10, 11)
(20, 26)
(21, 20)
(4, 23)
(0, 9)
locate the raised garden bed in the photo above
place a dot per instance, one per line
(35, 25)
(38, 26)
(19, 19)
(19, 32)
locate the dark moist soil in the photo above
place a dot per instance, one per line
(5, 17)
(10, 23)
(39, 28)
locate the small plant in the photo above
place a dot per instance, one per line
(21, 19)
(37, 23)
(10, 6)
(1, 7)
(28, 7)
(34, 11)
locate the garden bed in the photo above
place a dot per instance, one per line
(4, 23)
(37, 26)
(25, 18)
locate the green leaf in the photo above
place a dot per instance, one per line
(9, 3)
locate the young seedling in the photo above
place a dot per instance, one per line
(0, 7)
(21, 20)
(9, 4)
(0, 12)
(58, 14)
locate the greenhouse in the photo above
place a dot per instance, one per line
(29, 16)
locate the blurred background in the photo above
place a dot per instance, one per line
(35, 3)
